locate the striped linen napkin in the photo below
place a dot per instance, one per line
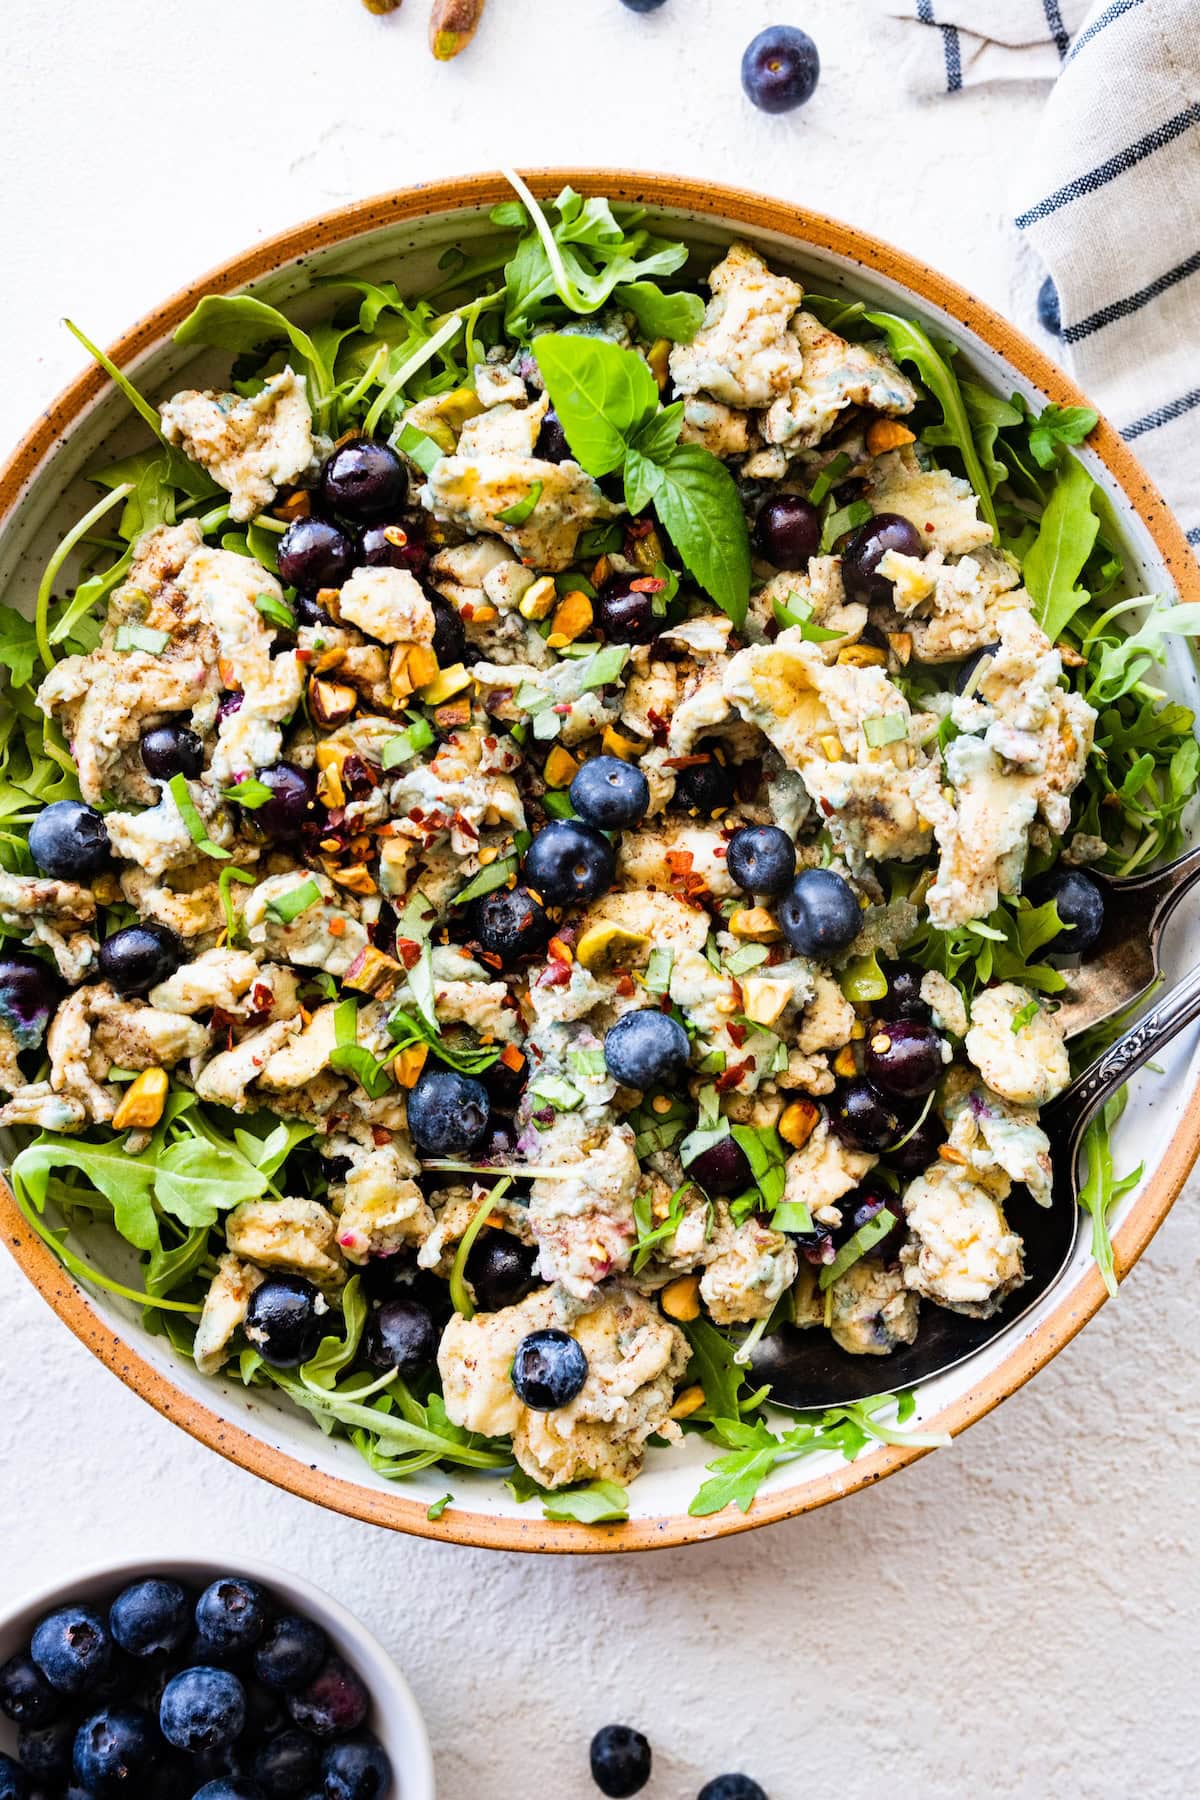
(1108, 199)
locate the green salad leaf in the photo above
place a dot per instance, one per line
(1056, 559)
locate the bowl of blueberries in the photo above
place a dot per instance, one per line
(187, 1680)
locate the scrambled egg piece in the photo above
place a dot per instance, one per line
(387, 604)
(224, 1314)
(298, 1235)
(381, 1209)
(55, 913)
(106, 701)
(743, 354)
(325, 934)
(822, 591)
(872, 1312)
(962, 1253)
(1028, 1065)
(250, 447)
(951, 609)
(635, 1357)
(942, 506)
(226, 587)
(835, 375)
(583, 1225)
(671, 857)
(822, 721)
(992, 1134)
(746, 1269)
(822, 1171)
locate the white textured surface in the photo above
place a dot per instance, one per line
(1016, 1613)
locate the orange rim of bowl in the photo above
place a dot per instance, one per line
(1026, 1354)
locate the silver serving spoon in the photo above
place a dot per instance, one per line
(806, 1369)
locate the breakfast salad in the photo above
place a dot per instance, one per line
(539, 835)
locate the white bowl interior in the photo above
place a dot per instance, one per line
(408, 253)
(394, 1718)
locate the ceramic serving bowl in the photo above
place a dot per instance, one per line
(401, 236)
(395, 1718)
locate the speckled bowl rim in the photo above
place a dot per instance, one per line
(1025, 1355)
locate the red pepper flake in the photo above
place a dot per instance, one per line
(489, 743)
(262, 997)
(687, 762)
(416, 814)
(408, 952)
(624, 986)
(647, 584)
(465, 826)
(730, 1077)
(304, 656)
(491, 959)
(679, 862)
(827, 808)
(222, 1020)
(639, 528)
(555, 974)
(928, 526)
(381, 1135)
(737, 1033)
(466, 612)
(720, 850)
(563, 707)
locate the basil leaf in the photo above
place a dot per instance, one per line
(293, 901)
(643, 479)
(522, 509)
(698, 502)
(1063, 544)
(600, 392)
(675, 316)
(197, 830)
(659, 435)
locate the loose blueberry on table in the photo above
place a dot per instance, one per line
(780, 69)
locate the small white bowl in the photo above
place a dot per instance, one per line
(394, 1717)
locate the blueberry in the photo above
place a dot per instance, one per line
(500, 1270)
(761, 859)
(706, 788)
(231, 1613)
(290, 1654)
(45, 1750)
(447, 1113)
(334, 1703)
(552, 445)
(967, 676)
(788, 530)
(230, 1787)
(863, 1118)
(293, 802)
(14, 1783)
(647, 1048)
(150, 1618)
(904, 1057)
(364, 480)
(307, 613)
(72, 1648)
(114, 1749)
(30, 991)
(820, 916)
(314, 554)
(202, 1709)
(915, 1154)
(569, 861)
(169, 750)
(1080, 903)
(903, 998)
(266, 1715)
(863, 1205)
(780, 69)
(732, 1787)
(403, 1336)
(642, 6)
(358, 1769)
(402, 545)
(610, 794)
(626, 614)
(1049, 309)
(509, 923)
(26, 1697)
(620, 1759)
(69, 841)
(723, 1168)
(138, 957)
(288, 1765)
(229, 704)
(449, 637)
(866, 550)
(548, 1369)
(284, 1320)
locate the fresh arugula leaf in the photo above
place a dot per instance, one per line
(674, 316)
(18, 644)
(196, 1180)
(336, 1352)
(1059, 425)
(601, 393)
(240, 322)
(1063, 544)
(598, 1503)
(909, 343)
(650, 1234)
(1101, 1189)
(126, 1181)
(722, 1378)
(989, 416)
